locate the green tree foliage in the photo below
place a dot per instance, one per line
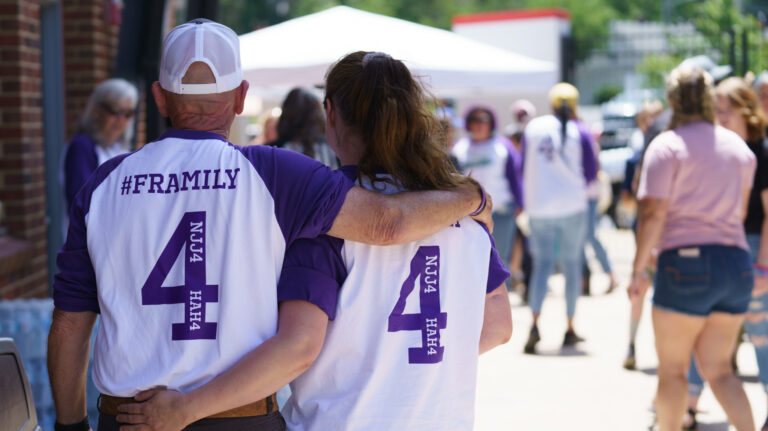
(720, 24)
(589, 18)
(643, 10)
(606, 92)
(589, 21)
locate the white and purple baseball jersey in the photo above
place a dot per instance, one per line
(556, 173)
(496, 165)
(401, 349)
(179, 246)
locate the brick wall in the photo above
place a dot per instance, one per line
(90, 36)
(91, 29)
(22, 172)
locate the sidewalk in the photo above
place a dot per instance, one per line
(587, 388)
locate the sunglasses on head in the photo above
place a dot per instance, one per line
(481, 119)
(129, 113)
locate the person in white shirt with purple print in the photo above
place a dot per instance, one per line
(406, 321)
(180, 245)
(559, 163)
(495, 163)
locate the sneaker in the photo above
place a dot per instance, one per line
(629, 362)
(571, 339)
(533, 338)
(689, 421)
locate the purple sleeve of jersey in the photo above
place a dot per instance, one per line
(497, 271)
(313, 271)
(588, 157)
(307, 194)
(79, 163)
(74, 287)
(513, 172)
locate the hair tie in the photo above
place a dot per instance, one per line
(373, 55)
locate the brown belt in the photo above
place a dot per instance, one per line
(108, 405)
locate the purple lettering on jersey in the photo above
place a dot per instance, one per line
(169, 183)
(205, 182)
(187, 176)
(138, 183)
(216, 184)
(156, 183)
(425, 266)
(173, 182)
(126, 188)
(232, 174)
(195, 293)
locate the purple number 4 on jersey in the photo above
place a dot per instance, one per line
(425, 266)
(195, 293)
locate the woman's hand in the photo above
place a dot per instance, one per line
(638, 286)
(158, 409)
(761, 286)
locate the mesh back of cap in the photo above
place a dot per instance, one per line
(207, 42)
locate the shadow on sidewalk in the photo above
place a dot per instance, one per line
(561, 352)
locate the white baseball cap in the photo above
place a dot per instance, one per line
(708, 65)
(205, 41)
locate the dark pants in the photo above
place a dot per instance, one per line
(269, 422)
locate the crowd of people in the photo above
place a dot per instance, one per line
(384, 262)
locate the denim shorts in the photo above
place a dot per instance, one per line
(702, 279)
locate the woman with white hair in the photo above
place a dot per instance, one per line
(104, 131)
(694, 191)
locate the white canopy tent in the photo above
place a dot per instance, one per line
(298, 53)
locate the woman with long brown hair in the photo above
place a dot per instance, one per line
(694, 189)
(405, 328)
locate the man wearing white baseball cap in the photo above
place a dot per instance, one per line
(179, 247)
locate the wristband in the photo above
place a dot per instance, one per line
(647, 273)
(761, 270)
(482, 203)
(83, 425)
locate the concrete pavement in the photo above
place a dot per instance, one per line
(586, 388)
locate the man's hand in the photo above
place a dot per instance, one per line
(158, 409)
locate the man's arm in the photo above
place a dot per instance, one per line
(379, 219)
(68, 354)
(497, 320)
(267, 368)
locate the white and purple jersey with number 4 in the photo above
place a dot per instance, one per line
(402, 345)
(179, 246)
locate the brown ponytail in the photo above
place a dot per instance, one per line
(376, 96)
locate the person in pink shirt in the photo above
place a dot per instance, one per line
(694, 189)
